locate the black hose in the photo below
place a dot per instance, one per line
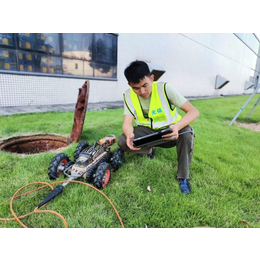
(52, 195)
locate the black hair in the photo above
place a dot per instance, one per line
(136, 71)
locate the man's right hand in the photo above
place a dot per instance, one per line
(129, 142)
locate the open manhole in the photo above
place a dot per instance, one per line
(40, 143)
(31, 144)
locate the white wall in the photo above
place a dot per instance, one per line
(20, 90)
(191, 61)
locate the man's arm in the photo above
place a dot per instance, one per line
(192, 113)
(128, 131)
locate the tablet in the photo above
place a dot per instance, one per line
(149, 140)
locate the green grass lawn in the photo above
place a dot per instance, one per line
(225, 176)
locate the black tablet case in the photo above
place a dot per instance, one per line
(151, 139)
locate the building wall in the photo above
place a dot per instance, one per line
(191, 61)
(20, 90)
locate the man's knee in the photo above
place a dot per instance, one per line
(187, 137)
(186, 140)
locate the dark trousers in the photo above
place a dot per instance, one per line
(184, 145)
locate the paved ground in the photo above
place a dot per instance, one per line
(6, 111)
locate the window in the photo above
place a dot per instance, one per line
(77, 53)
(67, 54)
(104, 46)
(7, 59)
(6, 39)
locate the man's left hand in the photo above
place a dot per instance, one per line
(175, 133)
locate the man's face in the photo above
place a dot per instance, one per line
(144, 87)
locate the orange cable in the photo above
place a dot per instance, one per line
(13, 197)
(25, 193)
(36, 210)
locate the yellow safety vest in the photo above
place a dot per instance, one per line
(160, 113)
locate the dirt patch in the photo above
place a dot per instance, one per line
(253, 126)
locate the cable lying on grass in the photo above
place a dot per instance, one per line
(36, 210)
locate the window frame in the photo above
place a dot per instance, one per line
(17, 49)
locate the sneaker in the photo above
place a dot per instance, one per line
(151, 154)
(184, 185)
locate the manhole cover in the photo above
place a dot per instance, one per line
(31, 144)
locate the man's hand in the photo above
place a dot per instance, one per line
(175, 133)
(129, 142)
(191, 114)
(128, 131)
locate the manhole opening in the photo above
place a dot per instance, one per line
(32, 144)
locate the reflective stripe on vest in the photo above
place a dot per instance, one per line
(160, 113)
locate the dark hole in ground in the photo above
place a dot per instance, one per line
(32, 144)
